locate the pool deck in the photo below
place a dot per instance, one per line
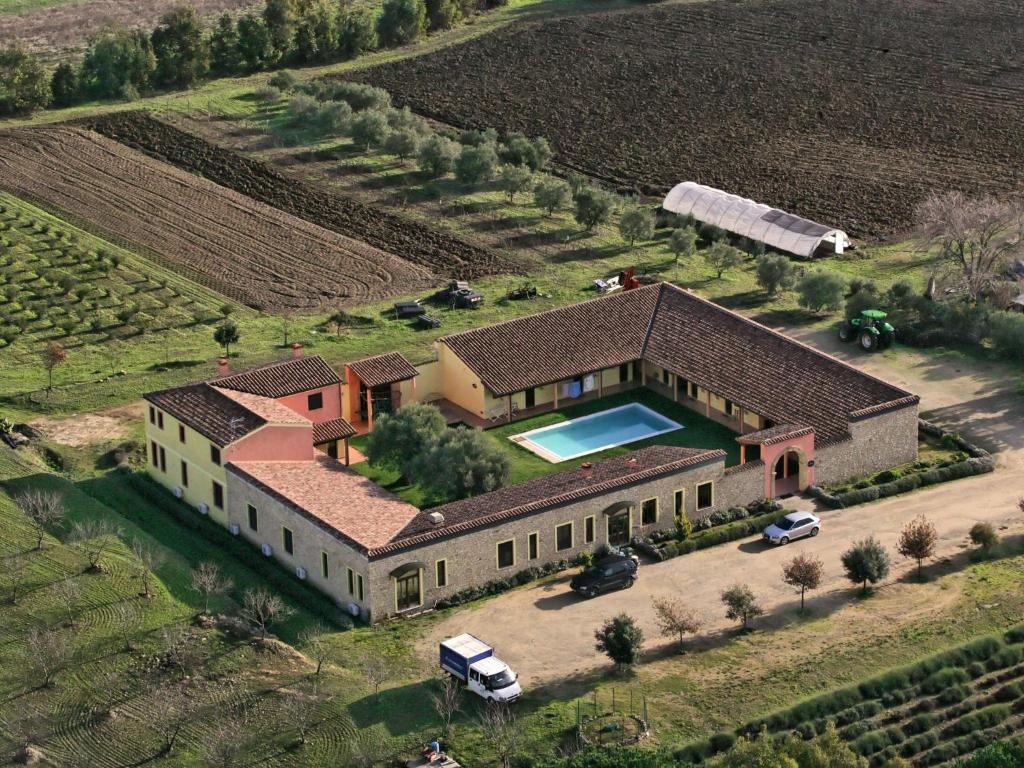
(455, 414)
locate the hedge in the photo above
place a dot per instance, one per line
(709, 538)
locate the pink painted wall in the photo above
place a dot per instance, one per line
(770, 454)
(330, 411)
(274, 443)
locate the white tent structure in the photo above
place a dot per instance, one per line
(757, 221)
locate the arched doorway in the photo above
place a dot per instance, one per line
(619, 518)
(789, 473)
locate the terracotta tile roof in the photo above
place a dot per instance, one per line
(267, 409)
(383, 369)
(560, 343)
(774, 435)
(286, 377)
(207, 411)
(549, 491)
(333, 497)
(755, 367)
(328, 431)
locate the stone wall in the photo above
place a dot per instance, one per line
(878, 442)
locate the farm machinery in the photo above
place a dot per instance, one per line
(870, 330)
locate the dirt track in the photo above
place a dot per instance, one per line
(977, 398)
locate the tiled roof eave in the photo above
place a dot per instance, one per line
(892, 405)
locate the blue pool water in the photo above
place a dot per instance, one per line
(597, 432)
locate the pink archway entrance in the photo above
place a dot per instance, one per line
(788, 455)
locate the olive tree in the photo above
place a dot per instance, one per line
(593, 206)
(437, 156)
(775, 273)
(636, 223)
(476, 164)
(399, 437)
(369, 128)
(620, 638)
(984, 536)
(550, 194)
(515, 179)
(740, 604)
(866, 562)
(682, 242)
(821, 289)
(722, 257)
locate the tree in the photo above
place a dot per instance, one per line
(403, 143)
(1006, 329)
(917, 540)
(226, 334)
(636, 223)
(94, 538)
(64, 85)
(255, 47)
(369, 128)
(53, 356)
(47, 652)
(471, 465)
(550, 194)
(437, 156)
(866, 562)
(262, 609)
(740, 604)
(820, 289)
(24, 86)
(171, 710)
(721, 257)
(515, 179)
(314, 643)
(519, 150)
(225, 53)
(682, 242)
(13, 569)
(443, 14)
(675, 619)
(208, 581)
(803, 572)
(357, 32)
(476, 164)
(45, 509)
(377, 669)
(761, 752)
(401, 21)
(147, 560)
(118, 64)
(126, 621)
(499, 728)
(827, 751)
(984, 536)
(620, 638)
(593, 206)
(976, 238)
(399, 436)
(775, 273)
(447, 700)
(1002, 754)
(182, 56)
(69, 596)
(316, 36)
(281, 18)
(298, 711)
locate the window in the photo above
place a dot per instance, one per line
(254, 523)
(705, 495)
(665, 376)
(359, 587)
(531, 397)
(315, 401)
(588, 530)
(506, 553)
(289, 543)
(533, 545)
(218, 495)
(729, 407)
(441, 573)
(407, 591)
(324, 569)
(152, 415)
(351, 582)
(154, 453)
(163, 459)
(694, 391)
(679, 504)
(215, 455)
(683, 384)
(563, 537)
(160, 419)
(649, 512)
(181, 433)
(184, 474)
(623, 373)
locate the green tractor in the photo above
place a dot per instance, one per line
(870, 330)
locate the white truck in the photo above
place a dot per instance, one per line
(472, 661)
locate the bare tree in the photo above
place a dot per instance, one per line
(917, 540)
(803, 572)
(314, 644)
(299, 711)
(69, 595)
(106, 690)
(447, 700)
(498, 727)
(25, 726)
(126, 621)
(47, 652)
(363, 754)
(377, 670)
(227, 744)
(147, 560)
(169, 712)
(94, 537)
(976, 237)
(262, 609)
(181, 651)
(12, 571)
(675, 619)
(208, 581)
(44, 509)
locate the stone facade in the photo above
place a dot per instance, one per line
(878, 442)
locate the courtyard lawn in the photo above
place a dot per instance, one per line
(697, 432)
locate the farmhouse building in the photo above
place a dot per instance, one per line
(799, 416)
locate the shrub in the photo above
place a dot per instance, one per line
(476, 164)
(1010, 692)
(859, 496)
(820, 290)
(333, 116)
(920, 724)
(369, 128)
(775, 273)
(443, 14)
(976, 669)
(943, 679)
(401, 21)
(983, 535)
(870, 743)
(402, 143)
(1006, 330)
(283, 80)
(359, 96)
(953, 695)
(302, 108)
(978, 720)
(437, 156)
(887, 476)
(267, 95)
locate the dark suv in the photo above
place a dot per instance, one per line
(610, 573)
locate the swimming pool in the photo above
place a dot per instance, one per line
(597, 432)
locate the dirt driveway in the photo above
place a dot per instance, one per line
(545, 632)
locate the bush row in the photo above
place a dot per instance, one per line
(497, 586)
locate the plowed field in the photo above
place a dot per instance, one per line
(432, 249)
(845, 111)
(240, 247)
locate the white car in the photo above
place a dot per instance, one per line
(795, 525)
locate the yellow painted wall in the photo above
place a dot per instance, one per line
(195, 451)
(430, 382)
(458, 383)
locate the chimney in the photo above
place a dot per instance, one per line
(632, 463)
(296, 351)
(222, 367)
(437, 518)
(587, 468)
